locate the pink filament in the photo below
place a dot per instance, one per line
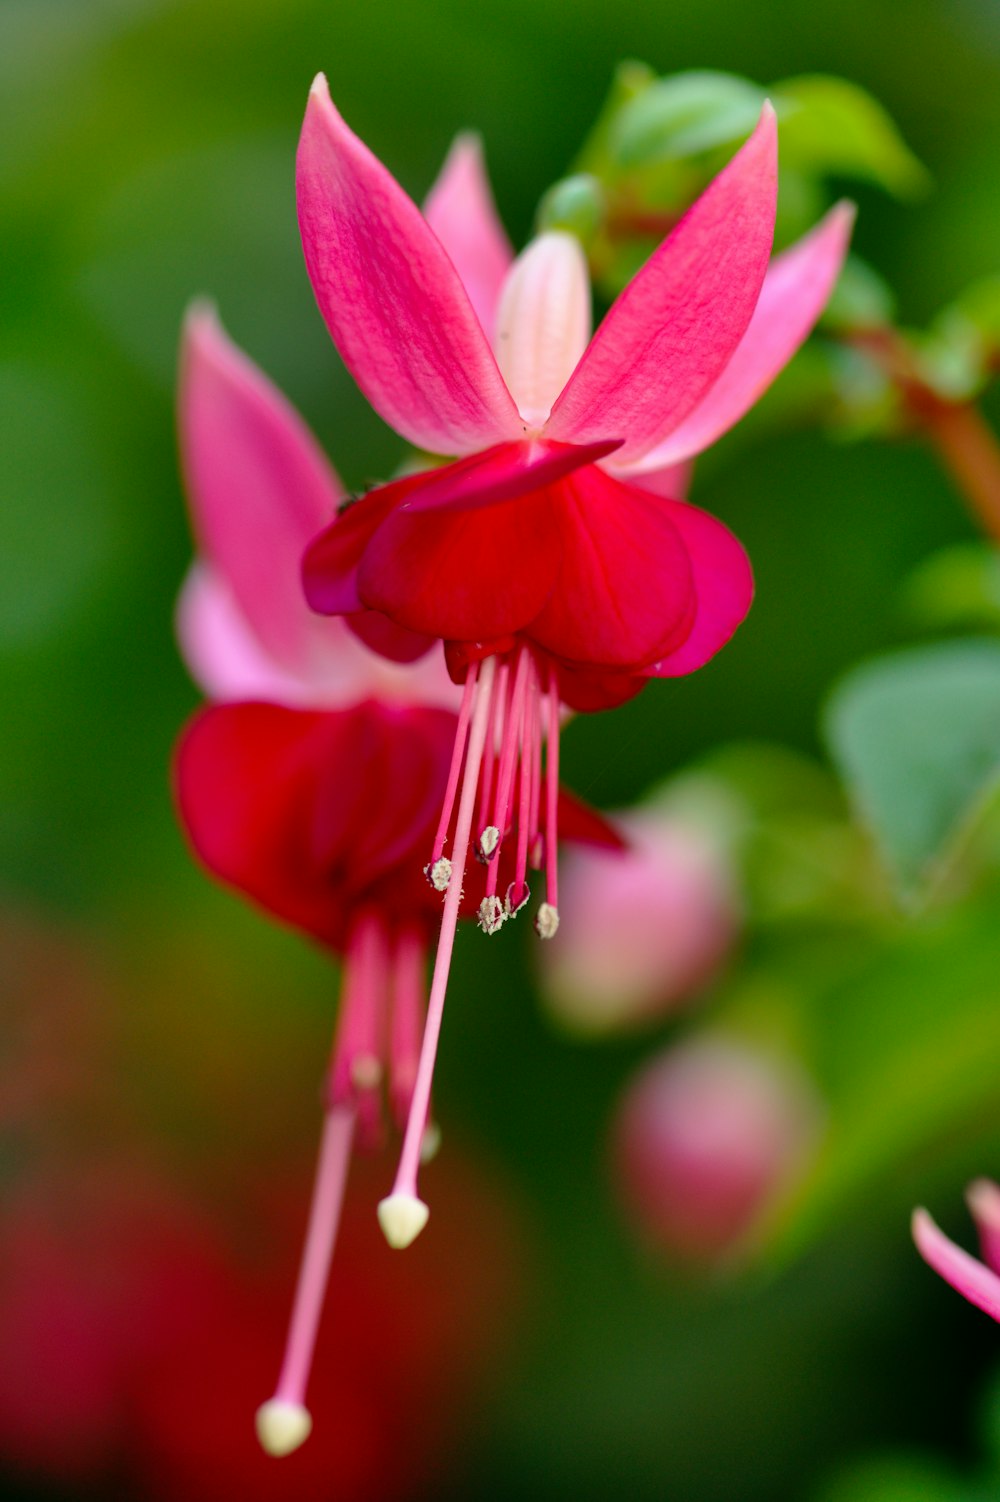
(498, 703)
(552, 793)
(528, 723)
(360, 1039)
(324, 1219)
(408, 991)
(406, 1174)
(458, 751)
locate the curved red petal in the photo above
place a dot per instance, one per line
(311, 814)
(464, 575)
(624, 593)
(330, 562)
(723, 582)
(388, 639)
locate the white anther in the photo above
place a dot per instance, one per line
(366, 1072)
(491, 915)
(402, 1218)
(547, 921)
(282, 1426)
(489, 840)
(510, 911)
(439, 874)
(430, 1142)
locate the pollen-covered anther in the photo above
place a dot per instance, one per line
(402, 1218)
(536, 852)
(438, 873)
(488, 841)
(510, 907)
(491, 915)
(366, 1072)
(547, 921)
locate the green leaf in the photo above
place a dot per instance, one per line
(631, 79)
(861, 299)
(916, 737)
(957, 587)
(684, 116)
(575, 204)
(828, 125)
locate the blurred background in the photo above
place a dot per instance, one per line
(558, 1332)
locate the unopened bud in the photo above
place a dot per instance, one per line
(708, 1136)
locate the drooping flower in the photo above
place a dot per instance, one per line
(977, 1281)
(543, 556)
(644, 928)
(707, 1136)
(322, 815)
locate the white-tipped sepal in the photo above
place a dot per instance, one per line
(543, 322)
(402, 1218)
(282, 1426)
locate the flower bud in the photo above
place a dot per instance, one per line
(643, 929)
(707, 1137)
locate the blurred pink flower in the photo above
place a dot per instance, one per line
(644, 928)
(979, 1282)
(708, 1135)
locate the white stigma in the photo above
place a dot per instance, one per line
(489, 840)
(282, 1426)
(402, 1218)
(439, 874)
(491, 915)
(547, 921)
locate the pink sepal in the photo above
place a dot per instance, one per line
(968, 1277)
(795, 292)
(460, 210)
(391, 298)
(671, 332)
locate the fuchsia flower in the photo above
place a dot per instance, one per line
(979, 1282)
(323, 815)
(542, 556)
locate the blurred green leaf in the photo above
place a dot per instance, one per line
(958, 587)
(630, 80)
(861, 299)
(896, 1479)
(831, 126)
(916, 737)
(575, 204)
(683, 116)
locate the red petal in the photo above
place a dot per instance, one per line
(584, 825)
(388, 639)
(624, 592)
(723, 583)
(464, 575)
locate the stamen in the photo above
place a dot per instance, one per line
(284, 1422)
(524, 794)
(508, 763)
(457, 753)
(357, 1071)
(439, 874)
(489, 840)
(551, 809)
(547, 921)
(408, 991)
(498, 708)
(402, 1214)
(512, 908)
(491, 915)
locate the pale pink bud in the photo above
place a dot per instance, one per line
(642, 930)
(707, 1138)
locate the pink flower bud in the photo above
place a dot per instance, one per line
(707, 1137)
(643, 929)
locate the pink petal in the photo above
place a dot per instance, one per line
(672, 331)
(673, 481)
(461, 212)
(795, 291)
(259, 489)
(624, 590)
(723, 583)
(223, 654)
(970, 1278)
(543, 322)
(391, 297)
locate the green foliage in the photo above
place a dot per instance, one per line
(830, 127)
(955, 589)
(916, 737)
